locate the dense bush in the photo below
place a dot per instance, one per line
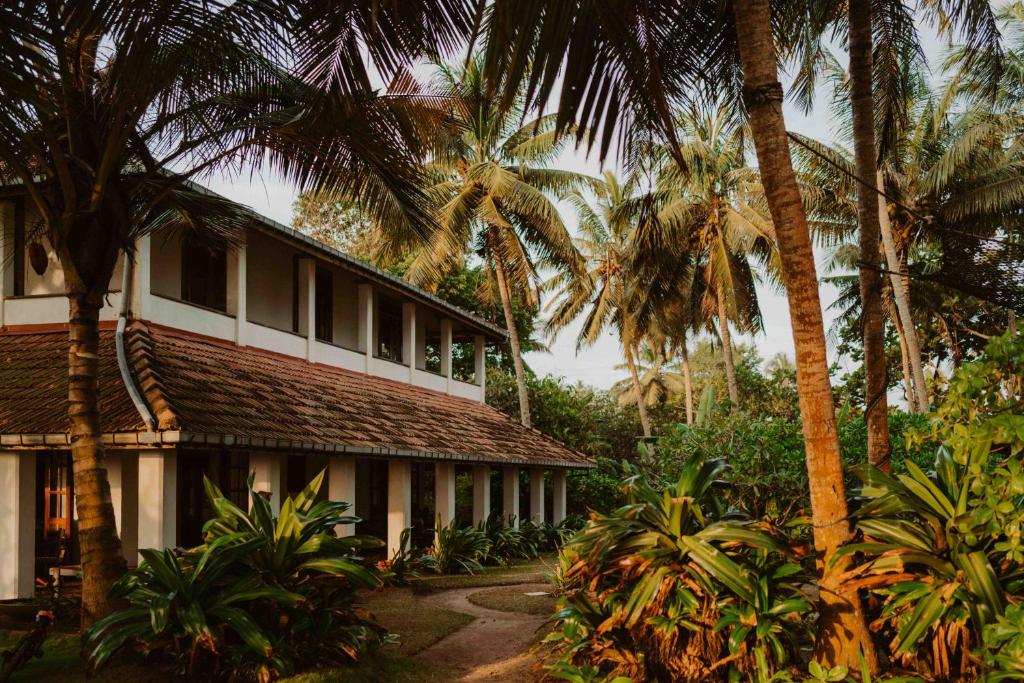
(260, 597)
(668, 588)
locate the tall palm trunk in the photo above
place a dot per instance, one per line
(513, 338)
(842, 632)
(687, 382)
(876, 409)
(638, 391)
(100, 548)
(730, 363)
(908, 379)
(899, 295)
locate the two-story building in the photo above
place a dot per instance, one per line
(279, 357)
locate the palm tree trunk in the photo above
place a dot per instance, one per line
(513, 339)
(638, 392)
(730, 364)
(687, 382)
(899, 295)
(842, 631)
(908, 380)
(876, 409)
(100, 547)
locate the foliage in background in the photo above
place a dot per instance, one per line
(261, 597)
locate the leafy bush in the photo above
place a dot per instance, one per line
(260, 596)
(667, 588)
(506, 542)
(457, 549)
(942, 552)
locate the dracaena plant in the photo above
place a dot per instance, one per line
(666, 588)
(942, 550)
(260, 597)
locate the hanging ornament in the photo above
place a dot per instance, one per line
(38, 258)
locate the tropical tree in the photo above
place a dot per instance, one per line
(712, 202)
(604, 293)
(660, 378)
(490, 184)
(112, 107)
(625, 64)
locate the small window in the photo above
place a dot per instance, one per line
(324, 305)
(389, 330)
(204, 275)
(464, 360)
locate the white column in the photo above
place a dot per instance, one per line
(365, 316)
(409, 337)
(123, 474)
(481, 493)
(267, 470)
(141, 293)
(399, 502)
(158, 499)
(241, 300)
(307, 303)
(341, 486)
(17, 524)
(536, 494)
(480, 356)
(510, 494)
(446, 352)
(557, 495)
(444, 492)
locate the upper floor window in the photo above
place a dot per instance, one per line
(389, 330)
(324, 307)
(204, 275)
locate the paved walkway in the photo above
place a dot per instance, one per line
(495, 647)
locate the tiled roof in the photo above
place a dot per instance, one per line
(210, 391)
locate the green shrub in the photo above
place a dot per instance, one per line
(942, 551)
(259, 597)
(664, 588)
(457, 549)
(506, 542)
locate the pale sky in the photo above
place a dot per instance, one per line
(270, 196)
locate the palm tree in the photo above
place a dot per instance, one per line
(111, 107)
(660, 378)
(605, 291)
(713, 203)
(490, 179)
(630, 62)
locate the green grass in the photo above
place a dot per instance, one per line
(416, 625)
(514, 599)
(61, 661)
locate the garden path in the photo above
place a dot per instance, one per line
(493, 648)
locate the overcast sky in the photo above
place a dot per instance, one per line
(267, 194)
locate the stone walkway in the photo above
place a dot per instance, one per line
(495, 647)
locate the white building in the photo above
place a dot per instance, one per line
(279, 357)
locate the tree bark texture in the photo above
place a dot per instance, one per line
(99, 545)
(876, 408)
(638, 391)
(513, 339)
(730, 361)
(687, 382)
(842, 633)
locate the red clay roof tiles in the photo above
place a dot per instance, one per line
(207, 387)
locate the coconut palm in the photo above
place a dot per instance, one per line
(605, 293)
(111, 107)
(660, 378)
(491, 181)
(712, 202)
(627, 67)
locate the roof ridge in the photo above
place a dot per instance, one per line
(143, 364)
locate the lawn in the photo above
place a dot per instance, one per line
(515, 599)
(530, 571)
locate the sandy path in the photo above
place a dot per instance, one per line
(495, 647)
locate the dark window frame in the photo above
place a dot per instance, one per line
(389, 319)
(323, 307)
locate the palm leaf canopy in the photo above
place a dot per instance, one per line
(111, 107)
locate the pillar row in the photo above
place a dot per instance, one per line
(481, 493)
(17, 524)
(444, 492)
(158, 499)
(558, 501)
(399, 502)
(510, 494)
(341, 486)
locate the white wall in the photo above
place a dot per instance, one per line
(269, 280)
